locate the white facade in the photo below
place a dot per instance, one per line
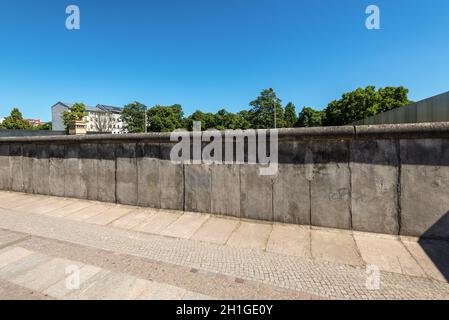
(99, 119)
(1, 120)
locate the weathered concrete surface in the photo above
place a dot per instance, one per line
(126, 174)
(256, 194)
(425, 188)
(171, 185)
(331, 185)
(383, 179)
(374, 182)
(5, 176)
(28, 156)
(74, 185)
(197, 186)
(106, 173)
(57, 170)
(291, 195)
(148, 176)
(41, 170)
(15, 165)
(89, 169)
(225, 190)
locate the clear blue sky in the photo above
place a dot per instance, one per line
(209, 54)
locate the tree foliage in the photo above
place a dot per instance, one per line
(290, 116)
(47, 126)
(262, 113)
(75, 113)
(309, 117)
(362, 103)
(133, 116)
(15, 121)
(166, 118)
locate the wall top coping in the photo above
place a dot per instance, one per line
(385, 132)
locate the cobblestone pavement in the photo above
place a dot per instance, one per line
(321, 278)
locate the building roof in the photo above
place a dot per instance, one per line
(97, 108)
(109, 108)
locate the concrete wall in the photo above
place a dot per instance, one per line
(434, 109)
(22, 133)
(390, 179)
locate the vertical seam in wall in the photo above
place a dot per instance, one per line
(399, 186)
(210, 188)
(136, 155)
(158, 161)
(22, 187)
(351, 224)
(240, 187)
(184, 187)
(272, 199)
(310, 202)
(115, 173)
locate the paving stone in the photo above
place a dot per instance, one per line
(185, 226)
(290, 240)
(12, 292)
(387, 254)
(89, 212)
(160, 291)
(196, 296)
(51, 205)
(312, 277)
(250, 235)
(22, 265)
(158, 222)
(20, 201)
(31, 206)
(59, 289)
(109, 215)
(335, 246)
(44, 275)
(133, 219)
(432, 256)
(216, 230)
(77, 205)
(8, 237)
(107, 285)
(9, 256)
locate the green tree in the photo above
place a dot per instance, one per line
(225, 120)
(362, 103)
(207, 119)
(290, 117)
(262, 112)
(44, 126)
(133, 116)
(309, 117)
(166, 118)
(76, 113)
(15, 121)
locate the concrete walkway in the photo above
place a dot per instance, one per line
(282, 261)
